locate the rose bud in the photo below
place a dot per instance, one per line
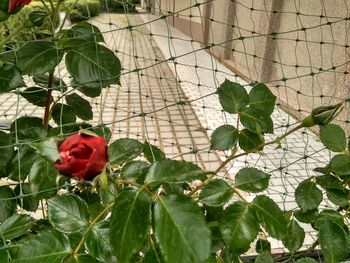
(322, 115)
(16, 5)
(82, 155)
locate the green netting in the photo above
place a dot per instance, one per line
(174, 56)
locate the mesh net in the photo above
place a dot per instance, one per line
(176, 55)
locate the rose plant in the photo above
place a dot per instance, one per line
(129, 202)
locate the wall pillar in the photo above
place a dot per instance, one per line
(229, 31)
(207, 22)
(267, 67)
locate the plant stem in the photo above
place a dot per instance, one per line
(48, 102)
(297, 254)
(139, 186)
(93, 222)
(235, 156)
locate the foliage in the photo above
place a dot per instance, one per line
(119, 5)
(143, 207)
(82, 9)
(25, 34)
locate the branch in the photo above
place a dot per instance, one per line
(48, 102)
(235, 156)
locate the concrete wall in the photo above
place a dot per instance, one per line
(186, 16)
(298, 48)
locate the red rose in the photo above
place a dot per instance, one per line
(82, 156)
(15, 4)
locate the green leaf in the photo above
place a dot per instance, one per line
(262, 245)
(91, 92)
(135, 170)
(340, 164)
(216, 193)
(306, 217)
(152, 153)
(68, 213)
(79, 34)
(224, 138)
(233, 97)
(35, 95)
(82, 258)
(262, 99)
(328, 215)
(333, 137)
(48, 246)
(97, 242)
(43, 81)
(250, 140)
(167, 171)
(93, 65)
(153, 255)
(124, 150)
(63, 114)
(102, 131)
(306, 260)
(28, 201)
(326, 170)
(180, 230)
(270, 216)
(130, 222)
(334, 242)
(6, 152)
(264, 257)
(252, 180)
(339, 197)
(295, 236)
(15, 226)
(256, 121)
(27, 129)
(328, 181)
(69, 129)
(26, 156)
(308, 196)
(7, 203)
(38, 57)
(10, 78)
(36, 18)
(239, 227)
(47, 149)
(81, 107)
(42, 179)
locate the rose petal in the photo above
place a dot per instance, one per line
(69, 142)
(81, 151)
(63, 168)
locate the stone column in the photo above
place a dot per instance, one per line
(270, 44)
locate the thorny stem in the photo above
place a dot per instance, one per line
(235, 156)
(93, 222)
(48, 102)
(60, 97)
(139, 186)
(298, 253)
